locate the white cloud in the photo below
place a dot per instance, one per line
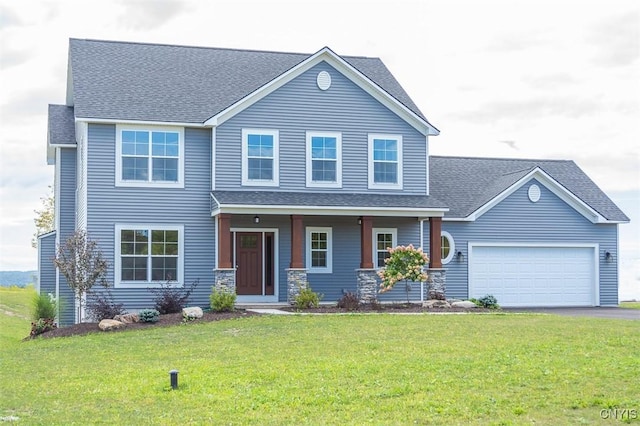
(616, 39)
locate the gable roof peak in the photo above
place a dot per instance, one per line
(106, 74)
(469, 184)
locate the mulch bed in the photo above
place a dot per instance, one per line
(164, 321)
(175, 319)
(384, 308)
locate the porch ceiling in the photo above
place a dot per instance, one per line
(322, 203)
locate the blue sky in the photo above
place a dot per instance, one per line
(528, 79)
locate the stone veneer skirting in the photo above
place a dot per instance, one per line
(296, 280)
(367, 285)
(437, 284)
(225, 280)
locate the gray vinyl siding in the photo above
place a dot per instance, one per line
(518, 220)
(299, 106)
(46, 268)
(67, 221)
(188, 206)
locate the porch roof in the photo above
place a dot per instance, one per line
(325, 203)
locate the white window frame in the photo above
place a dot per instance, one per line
(394, 242)
(324, 184)
(149, 183)
(372, 183)
(119, 283)
(275, 181)
(319, 270)
(452, 247)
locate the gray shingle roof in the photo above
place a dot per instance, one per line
(319, 199)
(466, 184)
(153, 82)
(61, 126)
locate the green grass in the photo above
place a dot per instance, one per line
(15, 314)
(630, 305)
(330, 369)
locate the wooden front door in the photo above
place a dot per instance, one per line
(249, 263)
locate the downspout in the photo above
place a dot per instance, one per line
(421, 243)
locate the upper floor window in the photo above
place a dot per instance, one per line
(149, 156)
(319, 250)
(148, 254)
(385, 161)
(383, 239)
(324, 159)
(260, 157)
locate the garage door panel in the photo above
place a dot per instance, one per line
(534, 276)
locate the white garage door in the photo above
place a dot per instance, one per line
(534, 276)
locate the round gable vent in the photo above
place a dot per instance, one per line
(323, 80)
(534, 193)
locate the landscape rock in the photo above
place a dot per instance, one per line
(109, 324)
(127, 318)
(466, 304)
(192, 313)
(452, 301)
(433, 303)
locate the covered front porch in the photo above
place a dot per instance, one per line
(266, 252)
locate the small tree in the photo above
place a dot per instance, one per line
(44, 219)
(403, 263)
(81, 262)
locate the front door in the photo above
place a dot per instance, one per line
(249, 263)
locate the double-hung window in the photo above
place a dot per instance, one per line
(385, 161)
(148, 255)
(324, 159)
(383, 239)
(319, 251)
(149, 156)
(260, 157)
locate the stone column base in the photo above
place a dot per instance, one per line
(225, 280)
(367, 285)
(296, 280)
(437, 284)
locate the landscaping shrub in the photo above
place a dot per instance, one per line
(102, 306)
(44, 306)
(222, 300)
(405, 263)
(488, 301)
(149, 315)
(170, 299)
(42, 325)
(349, 301)
(307, 298)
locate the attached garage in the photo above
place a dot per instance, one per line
(519, 275)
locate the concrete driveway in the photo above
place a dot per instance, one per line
(616, 313)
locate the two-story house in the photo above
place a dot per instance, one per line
(263, 170)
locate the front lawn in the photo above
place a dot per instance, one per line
(15, 315)
(331, 369)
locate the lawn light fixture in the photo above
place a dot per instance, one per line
(608, 257)
(459, 256)
(173, 374)
(256, 219)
